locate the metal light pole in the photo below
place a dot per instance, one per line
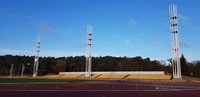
(11, 70)
(176, 65)
(22, 74)
(89, 52)
(36, 60)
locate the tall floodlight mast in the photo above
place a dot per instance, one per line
(89, 52)
(176, 65)
(11, 70)
(36, 60)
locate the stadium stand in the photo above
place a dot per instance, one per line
(149, 76)
(72, 76)
(112, 76)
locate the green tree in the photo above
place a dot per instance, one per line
(197, 69)
(184, 66)
(60, 66)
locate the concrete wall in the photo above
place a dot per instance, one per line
(118, 72)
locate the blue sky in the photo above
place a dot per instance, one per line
(120, 27)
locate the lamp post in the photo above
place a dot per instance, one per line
(11, 70)
(22, 74)
(23, 67)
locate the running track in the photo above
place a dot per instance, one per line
(101, 89)
(188, 93)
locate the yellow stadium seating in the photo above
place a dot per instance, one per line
(112, 76)
(72, 76)
(149, 76)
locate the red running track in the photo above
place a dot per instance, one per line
(107, 89)
(192, 93)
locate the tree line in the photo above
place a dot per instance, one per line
(52, 65)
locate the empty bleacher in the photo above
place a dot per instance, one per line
(50, 76)
(72, 76)
(95, 75)
(112, 76)
(149, 76)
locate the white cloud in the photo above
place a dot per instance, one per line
(105, 53)
(157, 40)
(118, 36)
(183, 19)
(191, 54)
(133, 22)
(16, 52)
(183, 45)
(81, 46)
(15, 15)
(43, 52)
(45, 28)
(127, 41)
(136, 39)
(68, 30)
(197, 28)
(62, 53)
